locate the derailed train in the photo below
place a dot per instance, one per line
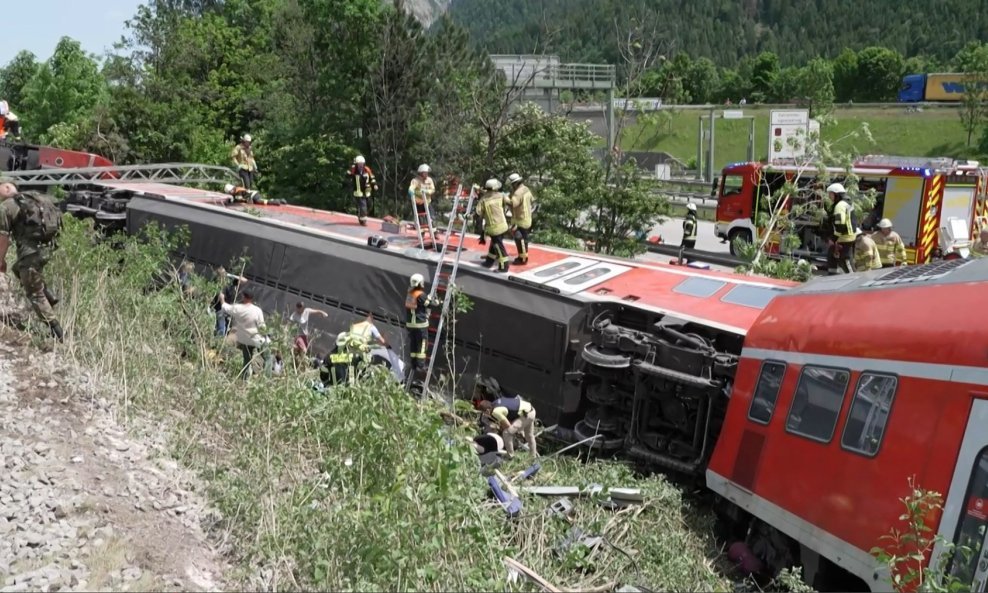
(740, 381)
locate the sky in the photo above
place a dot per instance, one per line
(37, 25)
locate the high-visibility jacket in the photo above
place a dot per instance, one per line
(364, 183)
(843, 226)
(492, 209)
(891, 248)
(422, 190)
(521, 207)
(866, 255)
(341, 368)
(243, 157)
(510, 408)
(689, 227)
(416, 306)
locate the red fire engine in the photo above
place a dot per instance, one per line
(924, 199)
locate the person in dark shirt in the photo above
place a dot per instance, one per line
(230, 292)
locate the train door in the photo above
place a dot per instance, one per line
(964, 522)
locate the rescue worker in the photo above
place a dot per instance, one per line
(512, 415)
(842, 252)
(866, 253)
(340, 365)
(250, 196)
(364, 185)
(521, 201)
(417, 303)
(243, 160)
(492, 204)
(34, 222)
(689, 231)
(421, 189)
(980, 247)
(890, 245)
(364, 331)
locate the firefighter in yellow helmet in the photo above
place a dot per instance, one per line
(492, 204)
(866, 254)
(890, 245)
(417, 303)
(421, 189)
(522, 202)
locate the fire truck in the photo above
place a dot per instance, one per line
(936, 205)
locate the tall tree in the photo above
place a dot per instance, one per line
(846, 80)
(764, 72)
(815, 85)
(973, 62)
(879, 74)
(63, 89)
(15, 76)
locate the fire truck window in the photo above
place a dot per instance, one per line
(869, 413)
(817, 402)
(970, 534)
(732, 185)
(766, 391)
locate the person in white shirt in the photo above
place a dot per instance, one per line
(301, 320)
(248, 323)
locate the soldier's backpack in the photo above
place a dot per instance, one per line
(40, 219)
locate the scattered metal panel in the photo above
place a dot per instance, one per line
(699, 287)
(588, 277)
(920, 273)
(747, 295)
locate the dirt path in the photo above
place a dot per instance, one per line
(83, 505)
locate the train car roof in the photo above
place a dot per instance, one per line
(727, 301)
(923, 320)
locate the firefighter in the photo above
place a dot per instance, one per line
(492, 204)
(866, 253)
(980, 247)
(250, 196)
(364, 185)
(842, 250)
(365, 331)
(890, 245)
(522, 201)
(243, 159)
(339, 367)
(689, 231)
(417, 304)
(421, 189)
(511, 414)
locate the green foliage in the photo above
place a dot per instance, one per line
(973, 62)
(362, 488)
(906, 553)
(15, 76)
(883, 69)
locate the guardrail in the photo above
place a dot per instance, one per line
(600, 107)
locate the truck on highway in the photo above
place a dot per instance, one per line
(936, 205)
(941, 88)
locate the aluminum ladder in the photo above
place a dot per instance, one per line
(443, 281)
(176, 173)
(425, 217)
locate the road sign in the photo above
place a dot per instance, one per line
(733, 114)
(789, 133)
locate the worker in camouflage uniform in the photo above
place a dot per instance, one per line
(34, 222)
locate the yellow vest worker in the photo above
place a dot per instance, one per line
(521, 200)
(491, 207)
(841, 252)
(890, 245)
(417, 304)
(866, 254)
(242, 156)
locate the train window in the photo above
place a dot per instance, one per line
(817, 402)
(699, 287)
(751, 296)
(766, 391)
(970, 535)
(869, 413)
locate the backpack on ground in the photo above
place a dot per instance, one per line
(40, 217)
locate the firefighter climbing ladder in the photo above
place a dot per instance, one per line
(443, 281)
(425, 216)
(179, 173)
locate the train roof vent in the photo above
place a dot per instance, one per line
(920, 273)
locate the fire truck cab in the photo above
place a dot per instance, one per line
(931, 202)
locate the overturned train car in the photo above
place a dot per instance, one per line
(642, 355)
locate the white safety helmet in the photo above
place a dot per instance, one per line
(247, 138)
(858, 233)
(359, 160)
(691, 207)
(836, 188)
(493, 184)
(228, 188)
(423, 168)
(885, 223)
(417, 280)
(514, 178)
(342, 339)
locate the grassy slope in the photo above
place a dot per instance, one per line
(933, 132)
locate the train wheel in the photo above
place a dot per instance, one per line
(743, 234)
(608, 360)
